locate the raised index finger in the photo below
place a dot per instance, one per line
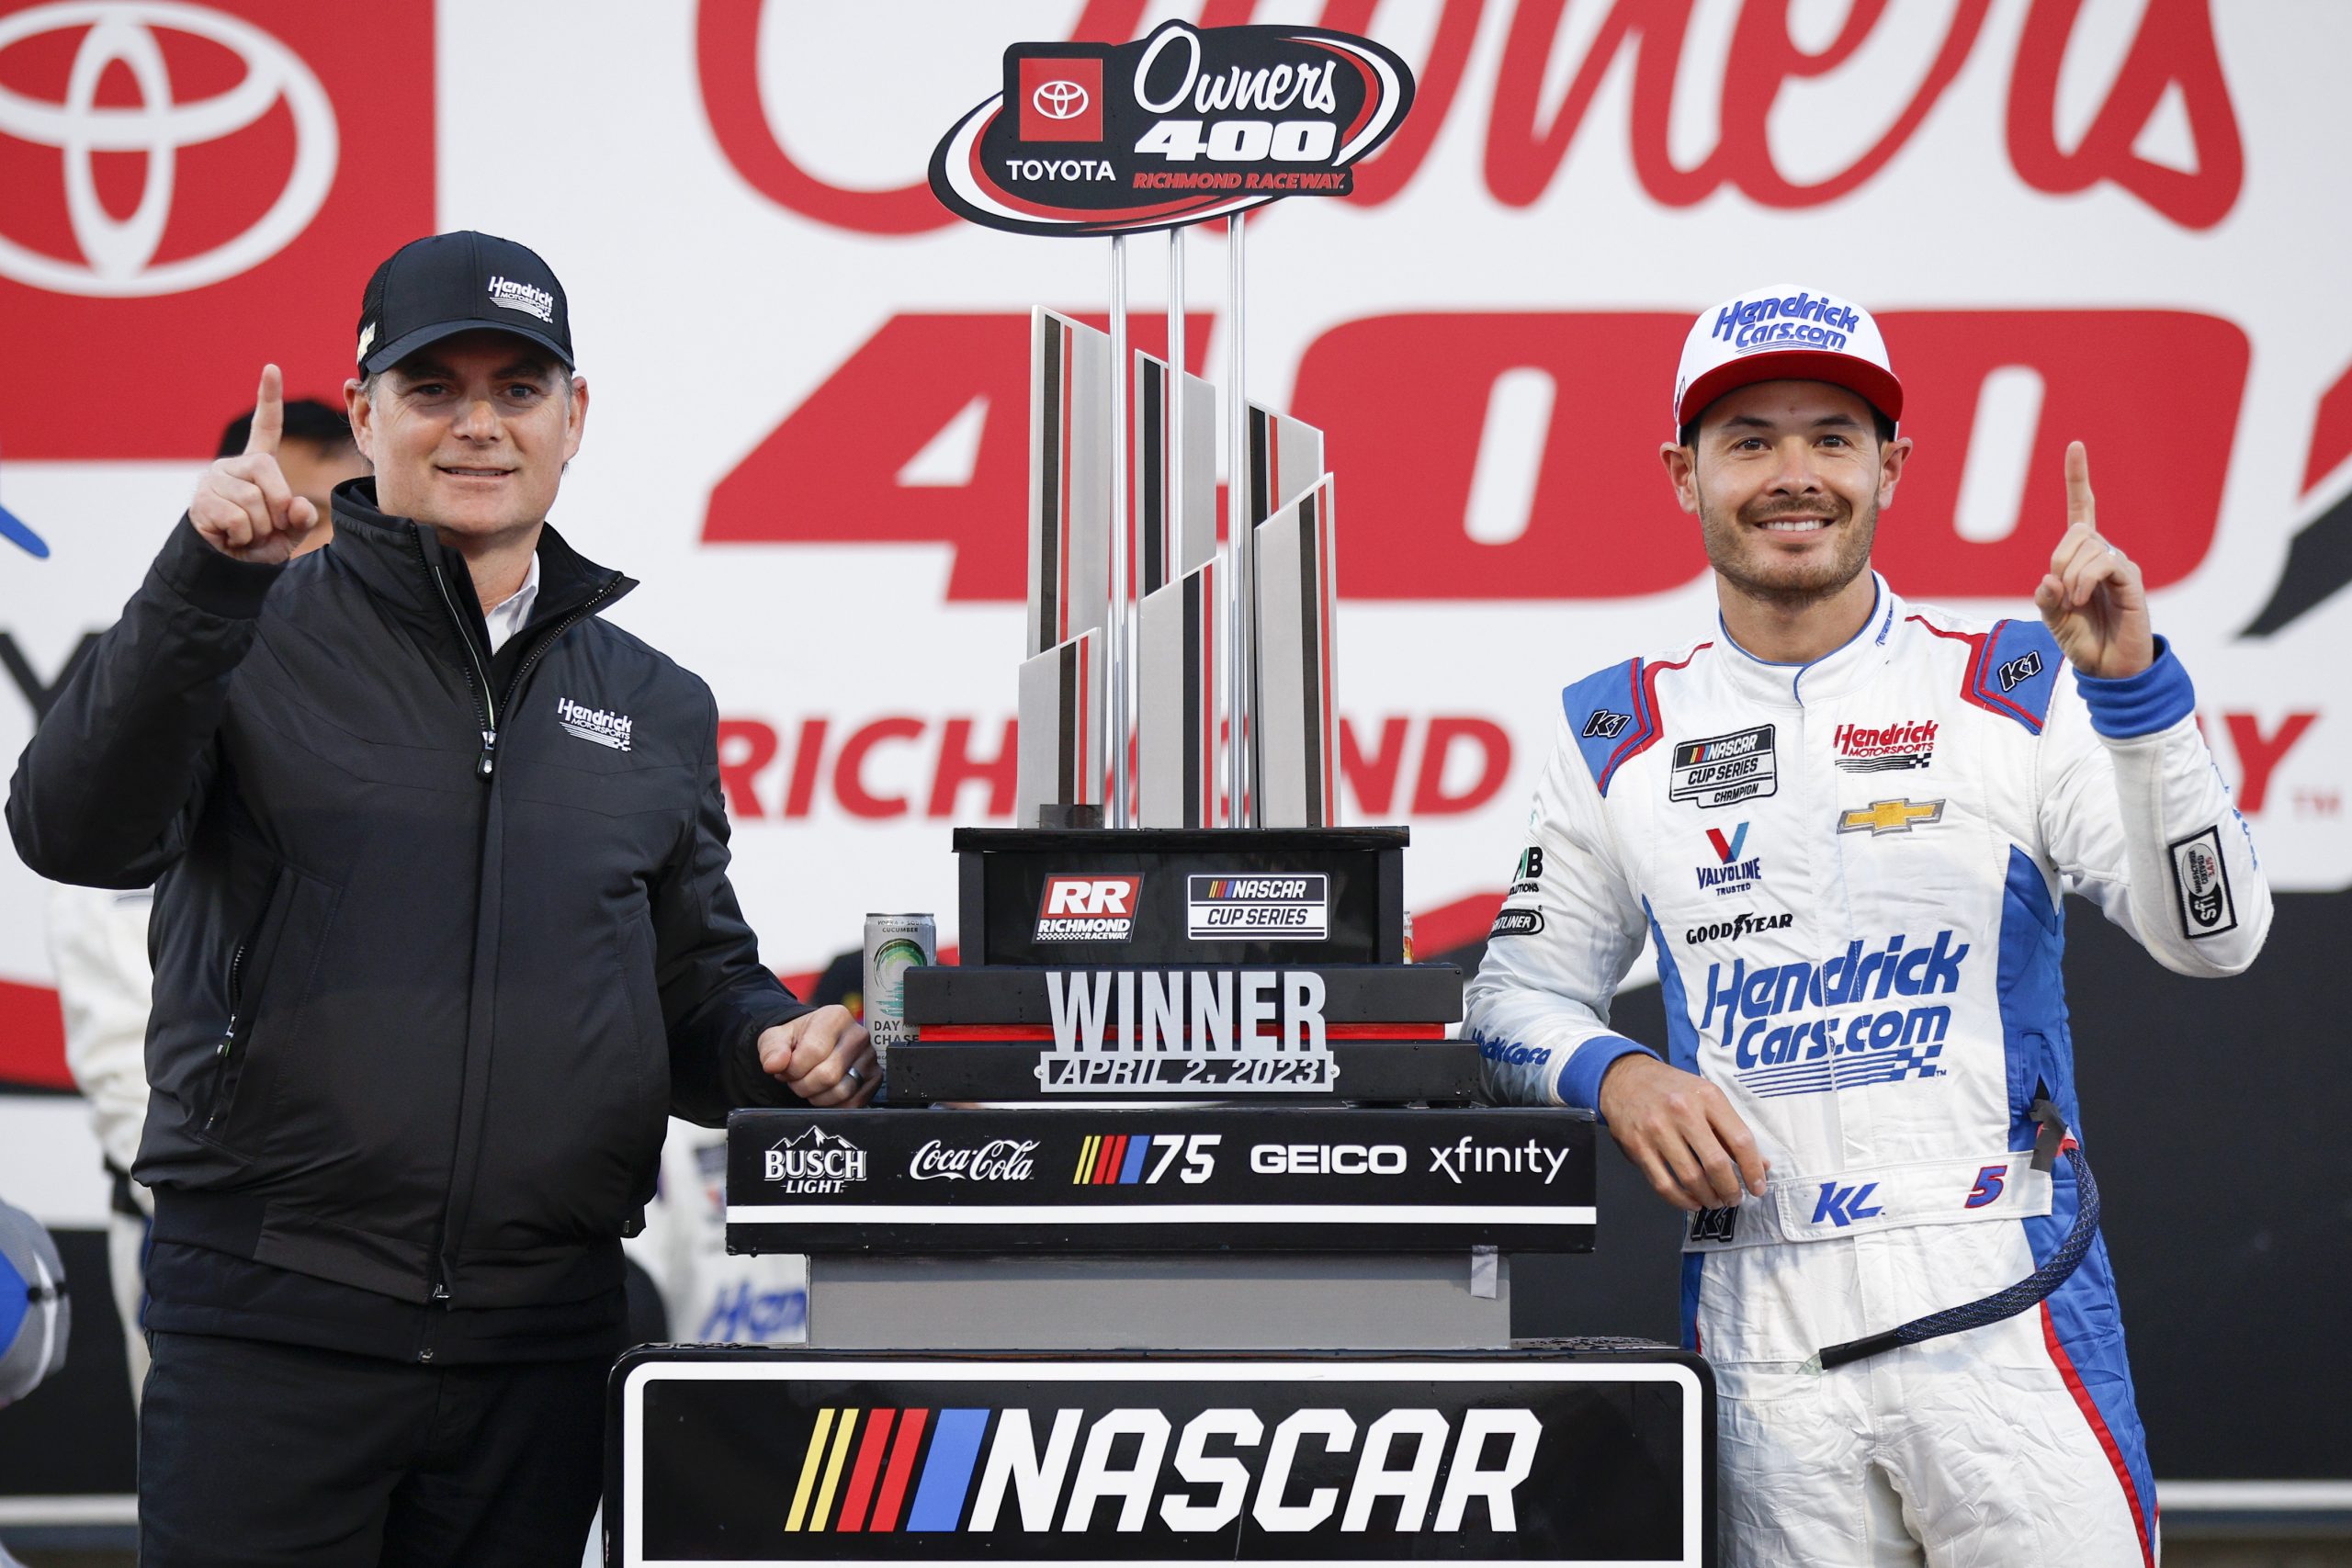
(270, 414)
(2078, 485)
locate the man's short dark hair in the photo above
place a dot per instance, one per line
(1879, 421)
(306, 419)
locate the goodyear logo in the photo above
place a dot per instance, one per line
(882, 1471)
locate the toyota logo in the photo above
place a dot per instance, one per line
(117, 254)
(1059, 100)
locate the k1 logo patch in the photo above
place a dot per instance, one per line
(2202, 883)
(1723, 770)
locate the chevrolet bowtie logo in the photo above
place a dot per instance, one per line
(1890, 816)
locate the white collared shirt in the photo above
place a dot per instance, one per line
(507, 618)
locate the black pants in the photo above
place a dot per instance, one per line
(274, 1456)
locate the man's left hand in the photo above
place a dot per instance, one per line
(824, 1056)
(2092, 601)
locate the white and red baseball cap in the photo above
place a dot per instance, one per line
(1783, 333)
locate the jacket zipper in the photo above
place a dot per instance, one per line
(477, 675)
(229, 1035)
(485, 769)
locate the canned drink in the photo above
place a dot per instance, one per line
(893, 944)
(1408, 936)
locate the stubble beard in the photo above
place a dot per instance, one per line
(1746, 562)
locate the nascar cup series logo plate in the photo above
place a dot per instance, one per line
(1185, 125)
(134, 40)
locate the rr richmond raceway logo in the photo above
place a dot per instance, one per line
(1776, 1048)
(813, 1161)
(1897, 746)
(1263, 908)
(1013, 1468)
(118, 44)
(1088, 908)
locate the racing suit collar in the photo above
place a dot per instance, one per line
(1833, 674)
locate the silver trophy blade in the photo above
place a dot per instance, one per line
(1062, 693)
(1070, 480)
(1175, 500)
(1176, 721)
(1297, 717)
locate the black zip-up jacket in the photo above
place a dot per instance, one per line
(440, 939)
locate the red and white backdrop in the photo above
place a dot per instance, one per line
(2117, 220)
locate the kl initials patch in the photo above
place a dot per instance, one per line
(2203, 884)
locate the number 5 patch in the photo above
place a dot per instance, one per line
(2202, 883)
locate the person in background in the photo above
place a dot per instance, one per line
(98, 938)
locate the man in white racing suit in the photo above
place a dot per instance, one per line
(1845, 822)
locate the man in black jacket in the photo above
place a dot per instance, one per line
(442, 933)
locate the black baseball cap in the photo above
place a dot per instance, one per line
(462, 282)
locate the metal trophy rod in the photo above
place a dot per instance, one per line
(1240, 562)
(1120, 519)
(1172, 534)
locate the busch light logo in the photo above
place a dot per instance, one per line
(814, 1161)
(1765, 1015)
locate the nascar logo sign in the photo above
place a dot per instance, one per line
(1247, 1459)
(1267, 908)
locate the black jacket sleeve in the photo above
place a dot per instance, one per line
(110, 786)
(717, 996)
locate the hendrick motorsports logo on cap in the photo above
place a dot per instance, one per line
(1263, 909)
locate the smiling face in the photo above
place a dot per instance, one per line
(469, 435)
(1786, 479)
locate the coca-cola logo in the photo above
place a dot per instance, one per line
(999, 1159)
(118, 255)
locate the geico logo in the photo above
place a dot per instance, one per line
(1328, 1159)
(1221, 1461)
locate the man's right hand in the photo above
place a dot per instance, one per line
(1682, 1134)
(244, 506)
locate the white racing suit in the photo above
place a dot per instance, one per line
(1850, 870)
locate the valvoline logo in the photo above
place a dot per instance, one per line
(1730, 872)
(976, 1471)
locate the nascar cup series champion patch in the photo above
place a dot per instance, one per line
(1186, 125)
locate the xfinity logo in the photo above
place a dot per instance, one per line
(515, 295)
(1454, 1160)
